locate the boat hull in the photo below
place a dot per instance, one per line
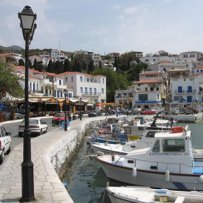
(134, 194)
(151, 179)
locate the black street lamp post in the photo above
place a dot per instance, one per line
(80, 102)
(65, 124)
(27, 23)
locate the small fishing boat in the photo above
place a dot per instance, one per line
(141, 124)
(185, 118)
(146, 140)
(168, 163)
(130, 194)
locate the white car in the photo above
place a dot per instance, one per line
(36, 126)
(5, 143)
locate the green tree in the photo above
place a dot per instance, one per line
(66, 65)
(114, 81)
(133, 73)
(9, 82)
(50, 67)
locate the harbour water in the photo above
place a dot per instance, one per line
(86, 181)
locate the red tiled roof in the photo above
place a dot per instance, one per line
(5, 54)
(199, 67)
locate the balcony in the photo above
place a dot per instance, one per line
(186, 92)
(191, 91)
(180, 92)
(91, 94)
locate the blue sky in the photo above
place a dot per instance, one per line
(104, 26)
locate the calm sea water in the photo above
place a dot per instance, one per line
(86, 181)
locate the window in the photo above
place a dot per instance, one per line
(102, 90)
(127, 130)
(173, 145)
(81, 89)
(33, 87)
(156, 147)
(150, 134)
(146, 89)
(81, 79)
(180, 89)
(71, 78)
(176, 98)
(130, 161)
(158, 96)
(59, 82)
(151, 89)
(103, 80)
(189, 89)
(66, 79)
(189, 98)
(88, 79)
(90, 91)
(143, 97)
(86, 90)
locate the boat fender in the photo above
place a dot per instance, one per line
(177, 129)
(134, 172)
(201, 178)
(167, 175)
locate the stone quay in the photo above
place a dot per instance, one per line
(49, 152)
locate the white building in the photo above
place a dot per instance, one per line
(186, 89)
(164, 66)
(43, 83)
(190, 56)
(148, 92)
(85, 86)
(124, 98)
(57, 55)
(152, 59)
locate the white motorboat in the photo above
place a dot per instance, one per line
(141, 124)
(145, 140)
(130, 194)
(185, 118)
(168, 163)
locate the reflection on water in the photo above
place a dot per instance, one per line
(86, 180)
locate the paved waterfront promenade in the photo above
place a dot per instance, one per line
(48, 187)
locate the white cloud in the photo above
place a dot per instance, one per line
(121, 26)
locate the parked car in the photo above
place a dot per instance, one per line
(57, 118)
(94, 113)
(148, 112)
(5, 143)
(19, 116)
(36, 126)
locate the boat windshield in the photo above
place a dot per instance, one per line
(173, 145)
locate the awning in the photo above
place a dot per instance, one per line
(74, 100)
(148, 102)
